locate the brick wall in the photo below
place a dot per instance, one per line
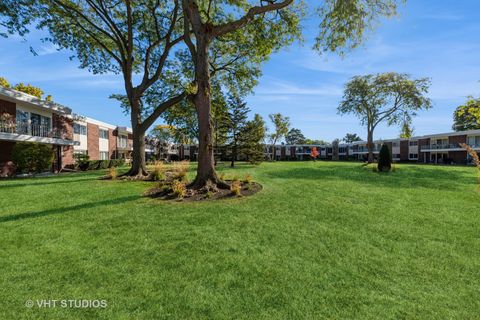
(92, 141)
(64, 124)
(458, 157)
(456, 140)
(8, 107)
(403, 150)
(67, 156)
(112, 143)
(6, 148)
(422, 155)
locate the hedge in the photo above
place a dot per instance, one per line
(100, 164)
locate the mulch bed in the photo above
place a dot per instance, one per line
(165, 193)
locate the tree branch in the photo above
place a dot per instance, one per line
(251, 13)
(161, 109)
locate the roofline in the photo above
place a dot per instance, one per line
(18, 96)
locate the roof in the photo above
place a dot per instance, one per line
(18, 96)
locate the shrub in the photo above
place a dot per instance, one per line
(158, 172)
(31, 157)
(384, 159)
(180, 170)
(98, 164)
(236, 188)
(112, 173)
(248, 178)
(179, 188)
(222, 176)
(475, 159)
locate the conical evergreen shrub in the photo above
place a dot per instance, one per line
(384, 159)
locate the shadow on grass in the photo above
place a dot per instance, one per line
(43, 181)
(37, 214)
(425, 177)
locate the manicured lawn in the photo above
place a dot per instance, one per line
(322, 240)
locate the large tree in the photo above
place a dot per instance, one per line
(281, 125)
(467, 116)
(387, 97)
(131, 38)
(235, 123)
(351, 137)
(295, 136)
(268, 25)
(253, 140)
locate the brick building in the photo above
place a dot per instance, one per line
(25, 118)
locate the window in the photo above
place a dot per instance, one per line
(473, 141)
(396, 156)
(394, 144)
(103, 134)
(40, 125)
(79, 129)
(84, 152)
(413, 143)
(413, 156)
(103, 155)
(122, 141)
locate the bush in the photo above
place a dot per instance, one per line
(236, 188)
(180, 170)
(179, 189)
(31, 157)
(112, 173)
(158, 172)
(384, 159)
(99, 164)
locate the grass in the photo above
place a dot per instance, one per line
(322, 240)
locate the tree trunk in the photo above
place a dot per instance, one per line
(370, 146)
(139, 168)
(234, 156)
(206, 174)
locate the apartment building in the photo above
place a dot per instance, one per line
(442, 148)
(25, 118)
(100, 140)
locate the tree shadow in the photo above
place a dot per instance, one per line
(37, 214)
(406, 176)
(7, 184)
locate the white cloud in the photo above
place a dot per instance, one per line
(276, 87)
(47, 50)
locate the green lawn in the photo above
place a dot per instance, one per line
(322, 240)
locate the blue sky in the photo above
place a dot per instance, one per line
(439, 39)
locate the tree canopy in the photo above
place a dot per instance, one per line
(295, 136)
(351, 137)
(390, 97)
(467, 116)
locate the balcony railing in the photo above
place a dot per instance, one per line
(122, 144)
(444, 146)
(439, 146)
(30, 129)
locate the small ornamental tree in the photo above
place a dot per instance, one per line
(384, 159)
(475, 159)
(314, 153)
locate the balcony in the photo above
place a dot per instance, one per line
(444, 147)
(124, 145)
(365, 150)
(25, 131)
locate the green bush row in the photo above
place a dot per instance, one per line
(99, 164)
(32, 157)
